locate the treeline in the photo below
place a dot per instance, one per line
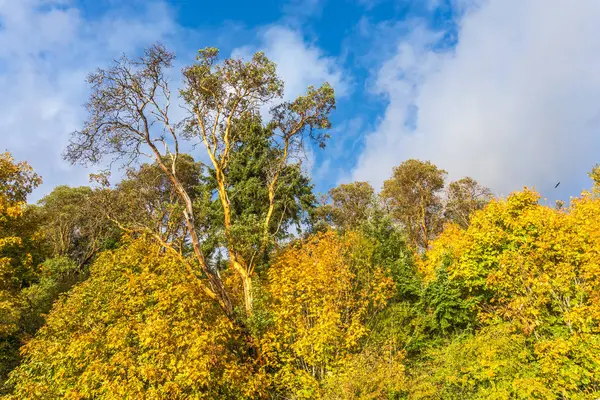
(185, 281)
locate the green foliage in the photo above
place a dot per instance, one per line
(401, 325)
(492, 364)
(146, 201)
(448, 307)
(351, 206)
(56, 276)
(499, 362)
(412, 195)
(74, 225)
(248, 175)
(392, 252)
(465, 196)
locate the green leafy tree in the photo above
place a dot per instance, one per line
(351, 206)
(464, 197)
(54, 277)
(494, 363)
(146, 201)
(412, 196)
(392, 252)
(74, 225)
(248, 176)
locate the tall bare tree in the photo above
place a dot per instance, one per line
(129, 118)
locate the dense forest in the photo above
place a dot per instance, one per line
(212, 270)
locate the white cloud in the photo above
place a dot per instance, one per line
(516, 103)
(47, 47)
(46, 50)
(299, 63)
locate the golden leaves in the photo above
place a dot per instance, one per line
(534, 274)
(536, 263)
(323, 291)
(138, 328)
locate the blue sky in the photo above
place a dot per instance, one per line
(505, 91)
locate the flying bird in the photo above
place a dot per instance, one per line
(556, 185)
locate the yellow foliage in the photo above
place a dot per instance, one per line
(570, 366)
(16, 181)
(492, 364)
(323, 292)
(369, 375)
(535, 271)
(139, 327)
(498, 362)
(534, 264)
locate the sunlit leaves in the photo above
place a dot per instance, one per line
(465, 196)
(323, 292)
(74, 224)
(137, 328)
(535, 269)
(17, 180)
(351, 205)
(412, 196)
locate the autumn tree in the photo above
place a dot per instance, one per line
(17, 180)
(412, 196)
(493, 363)
(374, 373)
(73, 224)
(129, 118)
(464, 197)
(323, 293)
(71, 230)
(145, 201)
(139, 327)
(349, 205)
(535, 269)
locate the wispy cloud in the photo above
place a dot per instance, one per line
(299, 63)
(516, 102)
(46, 50)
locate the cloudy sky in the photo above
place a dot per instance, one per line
(504, 91)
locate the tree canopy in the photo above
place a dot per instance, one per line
(211, 270)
